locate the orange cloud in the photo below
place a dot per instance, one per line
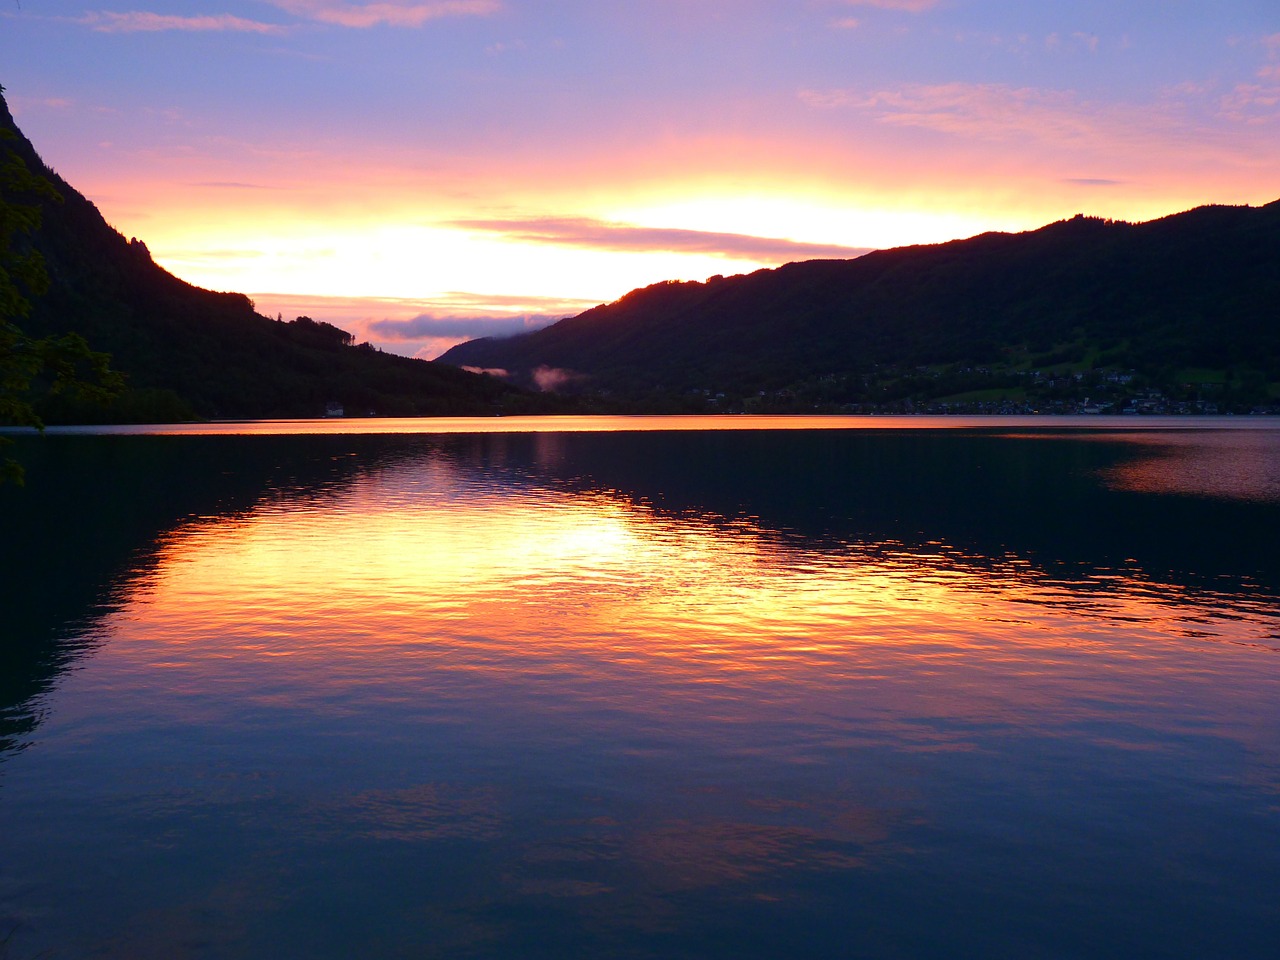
(140, 21)
(389, 14)
(603, 235)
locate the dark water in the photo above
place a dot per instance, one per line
(1009, 691)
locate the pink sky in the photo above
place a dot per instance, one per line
(421, 172)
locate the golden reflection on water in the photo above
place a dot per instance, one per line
(549, 599)
(465, 687)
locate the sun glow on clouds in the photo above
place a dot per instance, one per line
(819, 219)
(366, 161)
(351, 228)
(424, 327)
(366, 15)
(333, 12)
(588, 233)
(405, 261)
(397, 286)
(910, 6)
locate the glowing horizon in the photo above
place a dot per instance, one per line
(492, 165)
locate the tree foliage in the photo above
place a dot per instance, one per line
(32, 365)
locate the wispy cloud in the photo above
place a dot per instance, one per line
(20, 104)
(425, 327)
(910, 6)
(141, 21)
(497, 49)
(429, 325)
(606, 235)
(1088, 40)
(230, 185)
(551, 379)
(428, 335)
(985, 111)
(1092, 182)
(453, 303)
(491, 371)
(1252, 103)
(460, 302)
(390, 13)
(1191, 119)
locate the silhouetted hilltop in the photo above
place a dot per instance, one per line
(1182, 310)
(188, 350)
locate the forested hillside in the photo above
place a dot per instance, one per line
(1182, 310)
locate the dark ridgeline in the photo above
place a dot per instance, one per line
(1155, 304)
(192, 352)
(1175, 315)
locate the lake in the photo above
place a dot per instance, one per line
(643, 688)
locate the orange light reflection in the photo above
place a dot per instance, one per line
(543, 599)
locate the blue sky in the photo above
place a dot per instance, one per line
(501, 162)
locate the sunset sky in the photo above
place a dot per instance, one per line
(424, 172)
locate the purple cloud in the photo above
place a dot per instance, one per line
(434, 326)
(606, 235)
(141, 21)
(391, 14)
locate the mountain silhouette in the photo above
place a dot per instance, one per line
(188, 352)
(1192, 298)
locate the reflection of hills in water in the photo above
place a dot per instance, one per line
(90, 518)
(1072, 504)
(1076, 521)
(1227, 465)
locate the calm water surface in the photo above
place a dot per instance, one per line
(997, 689)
